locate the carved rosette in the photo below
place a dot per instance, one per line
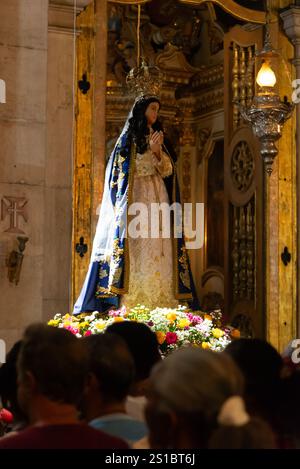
(242, 166)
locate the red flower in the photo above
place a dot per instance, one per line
(171, 338)
(87, 333)
(6, 416)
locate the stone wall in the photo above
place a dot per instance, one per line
(36, 125)
(23, 157)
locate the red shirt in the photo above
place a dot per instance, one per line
(71, 436)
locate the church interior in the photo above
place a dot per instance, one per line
(61, 119)
(64, 99)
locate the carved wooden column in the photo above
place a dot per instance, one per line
(281, 216)
(99, 138)
(291, 23)
(187, 171)
(89, 145)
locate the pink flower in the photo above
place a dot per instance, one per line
(74, 330)
(171, 338)
(194, 319)
(113, 313)
(87, 333)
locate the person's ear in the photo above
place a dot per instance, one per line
(91, 383)
(30, 383)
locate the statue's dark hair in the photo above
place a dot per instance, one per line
(138, 128)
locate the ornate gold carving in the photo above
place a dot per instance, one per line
(203, 139)
(186, 177)
(173, 60)
(249, 77)
(215, 38)
(242, 60)
(243, 251)
(209, 101)
(184, 274)
(250, 251)
(235, 254)
(237, 11)
(188, 136)
(242, 79)
(235, 85)
(242, 166)
(208, 77)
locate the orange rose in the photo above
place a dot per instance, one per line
(208, 317)
(161, 336)
(118, 319)
(235, 333)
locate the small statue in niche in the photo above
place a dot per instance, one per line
(15, 260)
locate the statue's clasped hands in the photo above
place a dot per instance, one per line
(156, 141)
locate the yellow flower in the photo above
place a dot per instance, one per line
(235, 333)
(160, 337)
(118, 319)
(217, 333)
(172, 316)
(53, 322)
(182, 323)
(206, 345)
(100, 326)
(66, 316)
(67, 323)
(83, 324)
(208, 317)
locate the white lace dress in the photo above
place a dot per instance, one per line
(151, 262)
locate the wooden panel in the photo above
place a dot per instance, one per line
(243, 190)
(83, 147)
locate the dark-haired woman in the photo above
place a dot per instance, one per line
(133, 259)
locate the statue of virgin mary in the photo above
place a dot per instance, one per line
(136, 269)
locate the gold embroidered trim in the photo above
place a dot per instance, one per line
(114, 289)
(178, 296)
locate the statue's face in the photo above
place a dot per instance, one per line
(152, 113)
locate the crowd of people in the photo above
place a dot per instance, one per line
(114, 390)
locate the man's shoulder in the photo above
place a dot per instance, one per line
(81, 436)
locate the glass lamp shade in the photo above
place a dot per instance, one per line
(266, 76)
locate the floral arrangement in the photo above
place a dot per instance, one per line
(6, 419)
(174, 328)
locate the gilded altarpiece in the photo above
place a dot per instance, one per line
(199, 113)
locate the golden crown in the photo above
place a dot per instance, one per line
(145, 80)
